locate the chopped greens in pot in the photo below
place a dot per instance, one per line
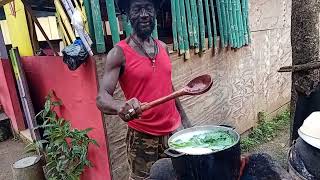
(215, 140)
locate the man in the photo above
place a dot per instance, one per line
(142, 66)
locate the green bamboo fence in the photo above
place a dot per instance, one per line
(192, 21)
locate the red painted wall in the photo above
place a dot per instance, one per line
(9, 97)
(77, 90)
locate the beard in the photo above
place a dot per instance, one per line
(143, 31)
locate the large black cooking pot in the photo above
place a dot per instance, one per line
(218, 165)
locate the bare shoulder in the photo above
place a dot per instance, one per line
(115, 57)
(164, 45)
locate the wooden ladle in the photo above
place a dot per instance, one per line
(197, 86)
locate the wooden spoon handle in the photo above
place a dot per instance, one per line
(162, 100)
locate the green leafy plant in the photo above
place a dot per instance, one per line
(265, 131)
(65, 149)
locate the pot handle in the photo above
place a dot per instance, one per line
(227, 126)
(173, 153)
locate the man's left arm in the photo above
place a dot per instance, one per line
(184, 118)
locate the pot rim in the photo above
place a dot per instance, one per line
(204, 127)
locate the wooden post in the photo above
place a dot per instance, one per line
(232, 27)
(214, 24)
(155, 30)
(184, 29)
(179, 24)
(87, 7)
(3, 50)
(98, 27)
(24, 93)
(195, 25)
(202, 25)
(29, 168)
(189, 22)
(245, 20)
(63, 31)
(220, 21)
(174, 25)
(208, 23)
(242, 41)
(238, 12)
(236, 27)
(126, 25)
(113, 21)
(65, 19)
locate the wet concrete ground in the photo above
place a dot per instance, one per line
(10, 152)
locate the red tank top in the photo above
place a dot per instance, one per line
(141, 81)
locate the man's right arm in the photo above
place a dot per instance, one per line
(105, 101)
(128, 110)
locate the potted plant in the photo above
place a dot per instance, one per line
(64, 148)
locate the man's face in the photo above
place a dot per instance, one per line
(142, 17)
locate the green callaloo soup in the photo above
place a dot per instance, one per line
(215, 140)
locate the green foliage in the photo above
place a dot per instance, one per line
(65, 149)
(265, 131)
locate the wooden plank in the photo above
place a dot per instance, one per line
(63, 31)
(3, 49)
(113, 21)
(184, 29)
(126, 25)
(189, 22)
(179, 24)
(234, 21)
(174, 25)
(155, 30)
(220, 21)
(195, 25)
(5, 31)
(18, 28)
(225, 23)
(244, 5)
(88, 11)
(65, 20)
(98, 27)
(202, 25)
(32, 32)
(214, 24)
(206, 4)
(53, 28)
(24, 93)
(239, 23)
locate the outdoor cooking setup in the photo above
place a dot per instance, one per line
(212, 152)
